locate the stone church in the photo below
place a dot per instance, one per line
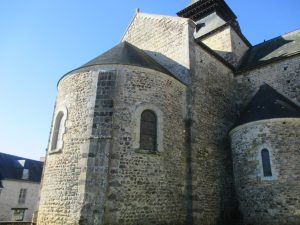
(184, 122)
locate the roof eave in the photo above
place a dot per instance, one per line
(167, 72)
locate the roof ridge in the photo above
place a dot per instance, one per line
(18, 156)
(160, 16)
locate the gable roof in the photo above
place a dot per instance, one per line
(126, 54)
(268, 104)
(275, 49)
(11, 167)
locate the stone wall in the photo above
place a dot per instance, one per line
(227, 43)
(101, 176)
(271, 200)
(284, 76)
(220, 42)
(147, 187)
(238, 46)
(62, 193)
(164, 38)
(96, 151)
(212, 115)
(9, 198)
(16, 223)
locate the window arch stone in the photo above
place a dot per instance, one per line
(137, 126)
(58, 130)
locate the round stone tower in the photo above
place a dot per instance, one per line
(265, 152)
(116, 152)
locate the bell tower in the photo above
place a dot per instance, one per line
(218, 28)
(199, 10)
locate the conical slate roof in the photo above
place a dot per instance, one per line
(126, 54)
(268, 104)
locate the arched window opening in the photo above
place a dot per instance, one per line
(57, 131)
(148, 131)
(266, 163)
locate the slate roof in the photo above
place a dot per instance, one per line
(272, 50)
(127, 54)
(11, 169)
(268, 104)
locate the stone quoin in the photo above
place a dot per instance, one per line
(183, 122)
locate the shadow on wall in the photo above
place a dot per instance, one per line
(231, 216)
(228, 56)
(181, 72)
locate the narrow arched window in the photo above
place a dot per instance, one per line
(266, 163)
(57, 131)
(148, 131)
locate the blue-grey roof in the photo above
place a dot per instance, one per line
(275, 49)
(268, 104)
(11, 168)
(126, 54)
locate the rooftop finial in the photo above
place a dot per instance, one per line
(137, 10)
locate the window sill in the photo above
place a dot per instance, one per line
(56, 151)
(148, 152)
(268, 178)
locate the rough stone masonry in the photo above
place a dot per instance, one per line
(225, 133)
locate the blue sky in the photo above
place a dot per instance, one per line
(41, 40)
